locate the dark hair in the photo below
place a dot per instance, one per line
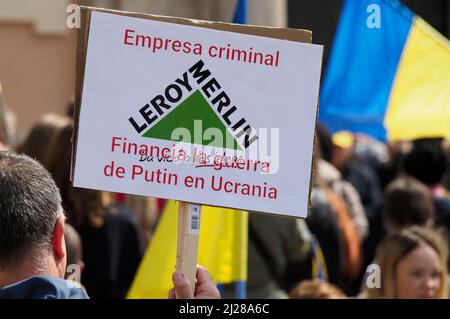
(325, 142)
(427, 161)
(408, 202)
(83, 206)
(29, 206)
(39, 140)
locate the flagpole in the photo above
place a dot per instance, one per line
(188, 235)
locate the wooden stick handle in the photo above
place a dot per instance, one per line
(188, 234)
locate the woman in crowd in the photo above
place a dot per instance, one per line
(412, 264)
(37, 144)
(112, 247)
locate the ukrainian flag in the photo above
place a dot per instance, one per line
(388, 74)
(222, 250)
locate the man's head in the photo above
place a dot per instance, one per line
(31, 219)
(407, 202)
(427, 161)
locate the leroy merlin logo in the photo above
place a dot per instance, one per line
(196, 98)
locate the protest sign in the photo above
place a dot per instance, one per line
(202, 112)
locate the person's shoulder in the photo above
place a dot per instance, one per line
(43, 287)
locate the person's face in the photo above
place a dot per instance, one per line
(418, 274)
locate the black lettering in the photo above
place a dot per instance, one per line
(247, 140)
(228, 113)
(138, 128)
(184, 82)
(146, 114)
(223, 100)
(178, 92)
(212, 85)
(197, 71)
(238, 124)
(158, 102)
(243, 131)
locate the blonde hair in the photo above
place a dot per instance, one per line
(316, 289)
(396, 246)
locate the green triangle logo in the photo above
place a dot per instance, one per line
(195, 107)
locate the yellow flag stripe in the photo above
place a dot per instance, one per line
(222, 250)
(420, 98)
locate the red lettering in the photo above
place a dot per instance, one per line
(113, 143)
(176, 45)
(189, 181)
(137, 170)
(187, 47)
(165, 152)
(128, 36)
(157, 44)
(120, 171)
(210, 51)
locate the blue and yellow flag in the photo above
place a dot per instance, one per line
(222, 250)
(241, 12)
(388, 74)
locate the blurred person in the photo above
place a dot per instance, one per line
(112, 247)
(351, 239)
(38, 142)
(413, 265)
(333, 178)
(369, 150)
(357, 173)
(393, 167)
(281, 252)
(74, 248)
(324, 223)
(316, 289)
(428, 162)
(365, 180)
(330, 190)
(325, 142)
(407, 202)
(146, 213)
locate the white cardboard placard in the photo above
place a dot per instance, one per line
(145, 78)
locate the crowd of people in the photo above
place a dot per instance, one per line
(377, 228)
